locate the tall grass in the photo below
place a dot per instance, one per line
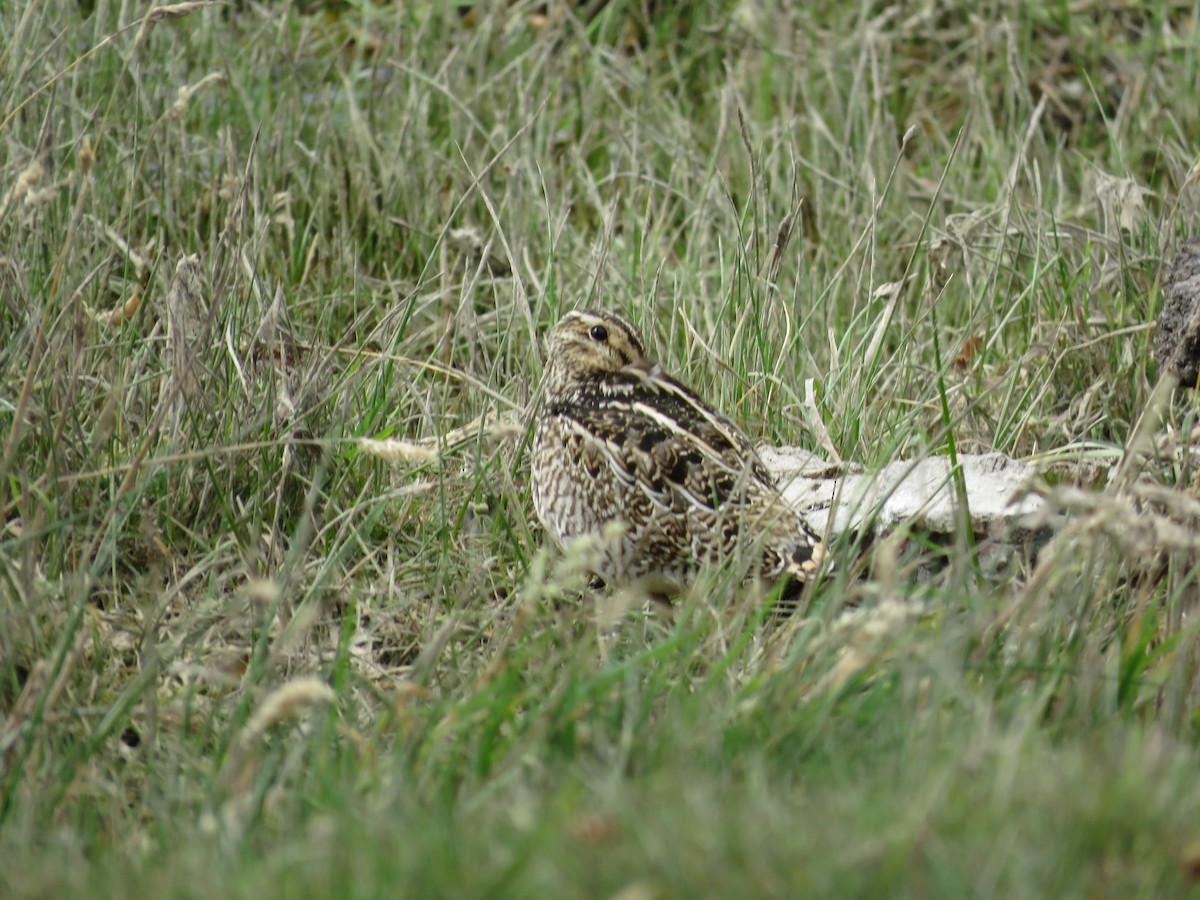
(240, 656)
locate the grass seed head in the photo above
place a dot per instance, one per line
(288, 702)
(29, 178)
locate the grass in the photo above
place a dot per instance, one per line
(240, 657)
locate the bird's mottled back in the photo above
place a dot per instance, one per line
(620, 442)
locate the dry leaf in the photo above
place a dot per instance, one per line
(970, 349)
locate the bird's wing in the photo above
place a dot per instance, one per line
(680, 409)
(657, 434)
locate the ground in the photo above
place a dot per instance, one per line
(241, 656)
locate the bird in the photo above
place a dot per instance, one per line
(651, 482)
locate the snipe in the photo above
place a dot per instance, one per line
(632, 461)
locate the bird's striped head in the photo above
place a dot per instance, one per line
(588, 344)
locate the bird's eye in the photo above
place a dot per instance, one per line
(599, 333)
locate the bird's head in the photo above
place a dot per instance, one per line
(587, 344)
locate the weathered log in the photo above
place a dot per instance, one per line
(918, 492)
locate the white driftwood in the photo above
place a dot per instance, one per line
(919, 492)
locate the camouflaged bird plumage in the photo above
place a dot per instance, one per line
(633, 462)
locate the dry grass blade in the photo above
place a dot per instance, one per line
(504, 426)
(170, 11)
(782, 237)
(1145, 521)
(187, 318)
